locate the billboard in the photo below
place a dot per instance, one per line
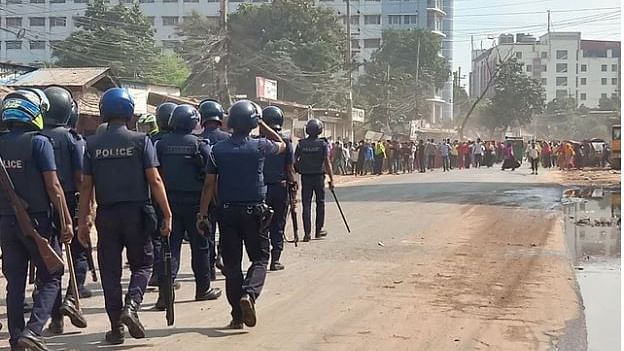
(266, 88)
(358, 115)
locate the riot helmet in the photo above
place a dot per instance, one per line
(61, 106)
(147, 124)
(243, 116)
(116, 103)
(211, 110)
(184, 118)
(163, 114)
(273, 117)
(314, 127)
(24, 107)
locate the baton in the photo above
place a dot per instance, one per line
(73, 284)
(340, 209)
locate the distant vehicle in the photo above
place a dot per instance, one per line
(616, 135)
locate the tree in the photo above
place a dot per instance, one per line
(561, 105)
(609, 104)
(170, 69)
(294, 42)
(517, 98)
(401, 75)
(119, 36)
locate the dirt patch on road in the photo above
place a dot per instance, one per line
(588, 176)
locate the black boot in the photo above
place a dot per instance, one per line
(116, 336)
(247, 305)
(75, 316)
(130, 317)
(321, 234)
(219, 262)
(207, 294)
(160, 303)
(31, 341)
(56, 327)
(306, 238)
(276, 266)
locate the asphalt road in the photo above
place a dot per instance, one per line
(470, 260)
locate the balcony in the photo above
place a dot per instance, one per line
(435, 6)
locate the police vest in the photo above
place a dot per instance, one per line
(239, 166)
(311, 156)
(17, 156)
(61, 139)
(275, 166)
(214, 135)
(158, 135)
(181, 163)
(117, 166)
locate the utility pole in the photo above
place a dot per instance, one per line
(349, 62)
(417, 71)
(548, 21)
(225, 88)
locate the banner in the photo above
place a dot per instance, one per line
(266, 88)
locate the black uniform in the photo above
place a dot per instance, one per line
(276, 180)
(310, 157)
(117, 159)
(238, 162)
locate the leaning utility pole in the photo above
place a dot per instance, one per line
(225, 87)
(349, 63)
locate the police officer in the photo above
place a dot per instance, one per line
(212, 121)
(120, 168)
(279, 177)
(68, 157)
(235, 171)
(312, 160)
(29, 160)
(183, 159)
(163, 114)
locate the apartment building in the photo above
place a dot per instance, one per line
(565, 64)
(33, 26)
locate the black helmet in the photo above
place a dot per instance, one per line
(243, 116)
(273, 117)
(163, 113)
(73, 118)
(184, 118)
(211, 110)
(61, 104)
(314, 127)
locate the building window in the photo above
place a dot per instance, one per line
(519, 55)
(355, 20)
(561, 93)
(562, 81)
(14, 21)
(583, 96)
(37, 21)
(145, 1)
(12, 2)
(544, 81)
(170, 0)
(613, 81)
(603, 96)
(562, 54)
(57, 1)
(170, 20)
(562, 68)
(374, 0)
(583, 81)
(603, 68)
(37, 45)
(394, 19)
(603, 81)
(372, 19)
(544, 68)
(372, 43)
(544, 55)
(37, 1)
(410, 19)
(58, 21)
(614, 67)
(14, 44)
(81, 1)
(355, 44)
(529, 68)
(614, 95)
(151, 20)
(583, 68)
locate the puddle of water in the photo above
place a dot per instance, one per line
(592, 226)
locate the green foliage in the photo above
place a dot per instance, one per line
(393, 89)
(517, 98)
(561, 105)
(170, 69)
(461, 103)
(292, 41)
(119, 37)
(609, 104)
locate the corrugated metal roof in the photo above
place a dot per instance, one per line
(67, 77)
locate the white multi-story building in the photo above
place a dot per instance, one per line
(566, 65)
(33, 26)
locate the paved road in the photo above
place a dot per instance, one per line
(469, 260)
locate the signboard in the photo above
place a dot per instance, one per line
(358, 115)
(266, 88)
(373, 136)
(413, 130)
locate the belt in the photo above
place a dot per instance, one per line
(241, 204)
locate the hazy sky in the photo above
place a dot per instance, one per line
(595, 19)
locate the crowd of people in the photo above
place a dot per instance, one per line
(394, 157)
